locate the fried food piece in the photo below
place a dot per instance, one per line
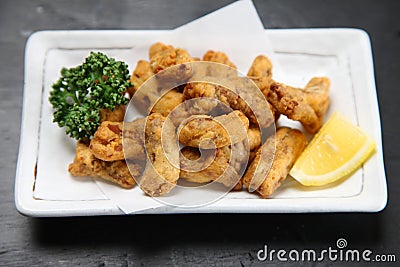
(133, 139)
(240, 155)
(263, 82)
(235, 98)
(219, 170)
(182, 56)
(240, 160)
(218, 57)
(142, 72)
(86, 164)
(107, 143)
(190, 161)
(238, 186)
(148, 95)
(216, 70)
(252, 155)
(261, 67)
(158, 98)
(191, 107)
(254, 135)
(208, 132)
(199, 89)
(255, 109)
(117, 114)
(218, 165)
(163, 56)
(260, 73)
(168, 102)
(289, 144)
(255, 139)
(307, 106)
(159, 48)
(162, 168)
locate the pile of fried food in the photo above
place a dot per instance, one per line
(107, 155)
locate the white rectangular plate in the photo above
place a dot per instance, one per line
(342, 54)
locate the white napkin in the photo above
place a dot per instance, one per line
(236, 30)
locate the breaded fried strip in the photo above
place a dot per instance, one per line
(142, 72)
(171, 66)
(190, 161)
(254, 135)
(208, 132)
(318, 95)
(199, 89)
(263, 83)
(117, 114)
(168, 102)
(218, 57)
(256, 109)
(255, 140)
(217, 70)
(260, 73)
(163, 56)
(133, 139)
(151, 93)
(307, 106)
(160, 174)
(219, 170)
(252, 155)
(198, 106)
(107, 143)
(261, 67)
(235, 98)
(289, 144)
(238, 186)
(85, 164)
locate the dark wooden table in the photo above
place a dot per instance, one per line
(189, 240)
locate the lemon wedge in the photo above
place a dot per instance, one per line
(337, 150)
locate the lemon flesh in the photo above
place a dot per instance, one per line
(337, 150)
